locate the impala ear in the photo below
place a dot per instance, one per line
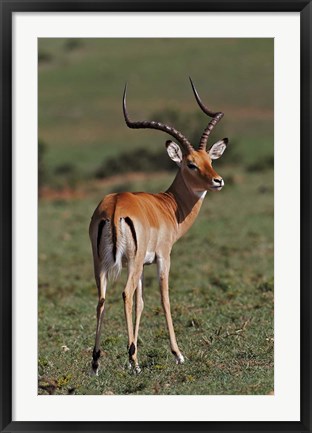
(218, 148)
(174, 152)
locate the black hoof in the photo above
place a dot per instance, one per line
(95, 358)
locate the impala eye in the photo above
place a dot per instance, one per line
(191, 165)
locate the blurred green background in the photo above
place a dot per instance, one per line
(223, 305)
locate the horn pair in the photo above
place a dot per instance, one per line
(216, 117)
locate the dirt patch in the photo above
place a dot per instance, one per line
(50, 194)
(47, 193)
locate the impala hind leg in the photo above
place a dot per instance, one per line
(163, 266)
(139, 305)
(133, 282)
(101, 282)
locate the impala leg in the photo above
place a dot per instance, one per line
(132, 283)
(139, 305)
(101, 281)
(163, 266)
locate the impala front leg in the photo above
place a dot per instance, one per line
(163, 266)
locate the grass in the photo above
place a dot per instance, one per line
(222, 273)
(222, 310)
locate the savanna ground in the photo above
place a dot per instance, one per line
(221, 275)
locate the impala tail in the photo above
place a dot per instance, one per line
(116, 238)
(109, 252)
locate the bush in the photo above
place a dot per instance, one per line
(66, 175)
(140, 160)
(144, 160)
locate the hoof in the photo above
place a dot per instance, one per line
(136, 369)
(95, 361)
(94, 371)
(179, 359)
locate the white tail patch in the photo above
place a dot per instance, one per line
(106, 247)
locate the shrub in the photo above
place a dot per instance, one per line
(66, 175)
(140, 160)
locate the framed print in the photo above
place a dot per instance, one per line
(134, 102)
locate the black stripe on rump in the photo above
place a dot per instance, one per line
(100, 229)
(131, 225)
(114, 238)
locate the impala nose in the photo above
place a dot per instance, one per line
(218, 181)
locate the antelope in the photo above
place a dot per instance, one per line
(135, 229)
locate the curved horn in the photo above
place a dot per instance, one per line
(216, 117)
(155, 125)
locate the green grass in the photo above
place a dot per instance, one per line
(222, 273)
(221, 290)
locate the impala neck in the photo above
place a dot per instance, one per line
(188, 202)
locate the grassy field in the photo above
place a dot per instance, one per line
(222, 304)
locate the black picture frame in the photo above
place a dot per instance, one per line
(8, 8)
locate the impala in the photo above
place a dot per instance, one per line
(134, 229)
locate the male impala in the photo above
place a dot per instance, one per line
(139, 228)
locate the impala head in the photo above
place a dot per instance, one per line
(195, 164)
